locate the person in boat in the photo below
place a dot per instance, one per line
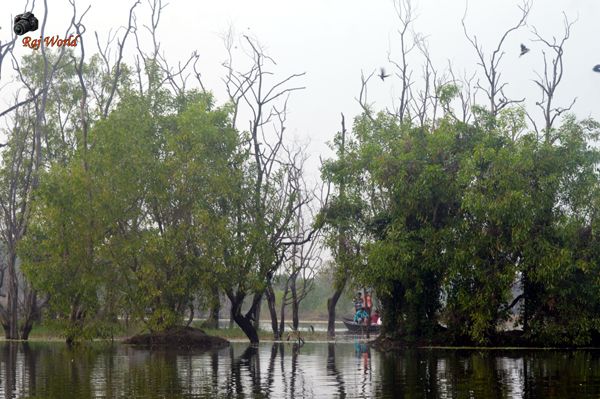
(375, 317)
(368, 305)
(358, 301)
(361, 316)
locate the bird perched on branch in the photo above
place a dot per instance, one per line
(596, 68)
(382, 74)
(524, 50)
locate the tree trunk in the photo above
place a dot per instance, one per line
(247, 327)
(295, 304)
(213, 317)
(272, 311)
(11, 328)
(331, 304)
(32, 313)
(191, 317)
(76, 320)
(342, 249)
(392, 316)
(245, 321)
(527, 302)
(254, 313)
(213, 313)
(283, 301)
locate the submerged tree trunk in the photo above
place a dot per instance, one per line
(247, 327)
(76, 320)
(255, 314)
(272, 311)
(32, 313)
(245, 322)
(12, 318)
(213, 317)
(295, 304)
(331, 304)
(213, 312)
(283, 305)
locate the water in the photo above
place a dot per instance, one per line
(347, 369)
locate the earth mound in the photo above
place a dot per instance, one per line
(178, 337)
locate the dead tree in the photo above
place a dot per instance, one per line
(23, 178)
(405, 13)
(466, 94)
(7, 47)
(270, 192)
(363, 95)
(551, 78)
(176, 77)
(425, 102)
(10, 231)
(107, 94)
(490, 65)
(302, 253)
(300, 270)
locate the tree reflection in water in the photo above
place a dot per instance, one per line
(285, 370)
(333, 371)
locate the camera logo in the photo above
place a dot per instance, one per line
(26, 22)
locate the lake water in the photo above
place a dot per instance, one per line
(323, 370)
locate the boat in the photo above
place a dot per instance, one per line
(353, 326)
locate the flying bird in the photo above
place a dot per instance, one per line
(597, 68)
(524, 50)
(382, 74)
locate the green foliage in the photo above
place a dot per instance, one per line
(123, 224)
(451, 219)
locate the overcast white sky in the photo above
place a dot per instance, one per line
(333, 40)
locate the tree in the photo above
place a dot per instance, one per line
(342, 217)
(301, 261)
(22, 166)
(261, 216)
(152, 180)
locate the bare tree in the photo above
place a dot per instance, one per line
(363, 95)
(425, 103)
(302, 248)
(114, 70)
(406, 16)
(466, 94)
(551, 78)
(305, 261)
(494, 86)
(176, 77)
(22, 178)
(272, 201)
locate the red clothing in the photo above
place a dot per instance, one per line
(368, 304)
(374, 318)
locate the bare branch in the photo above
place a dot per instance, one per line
(362, 98)
(552, 76)
(491, 65)
(117, 67)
